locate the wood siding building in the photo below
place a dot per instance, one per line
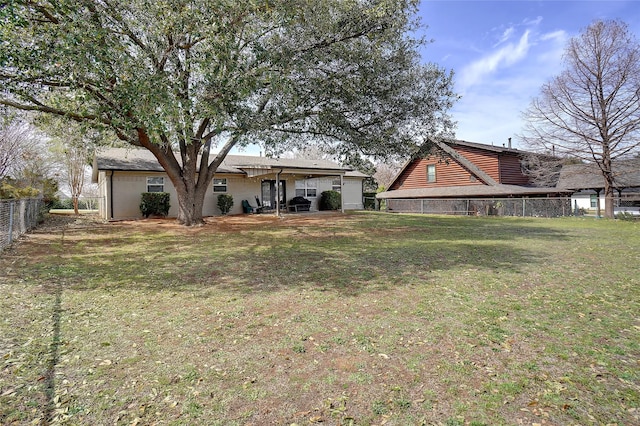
(458, 170)
(501, 164)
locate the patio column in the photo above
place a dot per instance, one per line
(278, 193)
(342, 193)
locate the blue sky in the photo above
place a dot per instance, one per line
(502, 52)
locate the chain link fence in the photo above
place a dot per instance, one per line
(531, 207)
(17, 217)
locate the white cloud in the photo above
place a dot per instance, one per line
(559, 35)
(533, 22)
(507, 55)
(506, 35)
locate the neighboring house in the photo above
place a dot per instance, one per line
(586, 183)
(457, 170)
(123, 174)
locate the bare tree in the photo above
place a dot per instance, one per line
(75, 162)
(591, 111)
(17, 140)
(72, 145)
(385, 172)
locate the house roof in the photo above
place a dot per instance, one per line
(492, 148)
(467, 191)
(142, 160)
(588, 176)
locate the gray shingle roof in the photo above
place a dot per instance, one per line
(588, 176)
(137, 159)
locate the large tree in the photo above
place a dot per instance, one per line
(591, 111)
(190, 76)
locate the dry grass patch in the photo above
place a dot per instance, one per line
(337, 319)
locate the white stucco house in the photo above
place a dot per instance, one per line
(123, 174)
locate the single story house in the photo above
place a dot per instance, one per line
(453, 172)
(587, 185)
(123, 174)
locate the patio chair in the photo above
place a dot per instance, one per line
(249, 209)
(261, 207)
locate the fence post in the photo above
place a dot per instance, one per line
(11, 204)
(523, 206)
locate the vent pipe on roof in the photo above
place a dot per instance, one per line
(509, 143)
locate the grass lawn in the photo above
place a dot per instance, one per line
(356, 319)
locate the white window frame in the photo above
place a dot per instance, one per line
(304, 188)
(220, 185)
(155, 182)
(429, 175)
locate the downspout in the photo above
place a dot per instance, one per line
(111, 194)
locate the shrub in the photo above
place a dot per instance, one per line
(625, 216)
(369, 200)
(155, 203)
(10, 191)
(225, 202)
(329, 200)
(65, 204)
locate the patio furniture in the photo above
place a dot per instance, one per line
(299, 204)
(263, 208)
(249, 209)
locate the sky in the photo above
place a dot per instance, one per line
(502, 52)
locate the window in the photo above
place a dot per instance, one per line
(220, 185)
(594, 201)
(431, 173)
(335, 185)
(306, 188)
(155, 184)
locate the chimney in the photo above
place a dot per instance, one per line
(509, 143)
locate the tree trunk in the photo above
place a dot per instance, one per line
(608, 200)
(609, 182)
(190, 204)
(74, 199)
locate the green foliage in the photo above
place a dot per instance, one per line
(626, 216)
(155, 203)
(9, 190)
(225, 203)
(369, 200)
(49, 191)
(67, 204)
(330, 200)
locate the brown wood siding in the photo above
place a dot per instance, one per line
(503, 168)
(451, 174)
(511, 171)
(485, 160)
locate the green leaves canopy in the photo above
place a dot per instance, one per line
(192, 74)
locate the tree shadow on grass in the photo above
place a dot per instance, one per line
(49, 381)
(350, 254)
